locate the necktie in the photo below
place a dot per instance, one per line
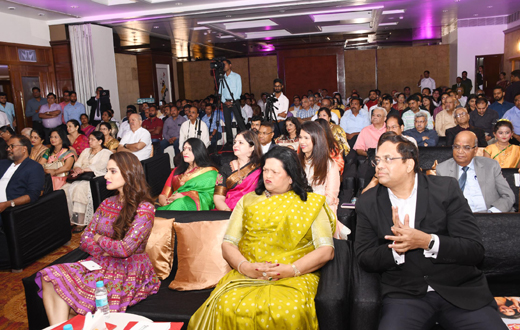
(98, 110)
(463, 177)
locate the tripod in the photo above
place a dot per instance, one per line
(234, 107)
(270, 114)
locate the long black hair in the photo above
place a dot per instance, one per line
(296, 123)
(291, 164)
(200, 154)
(76, 124)
(65, 143)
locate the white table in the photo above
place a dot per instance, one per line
(120, 320)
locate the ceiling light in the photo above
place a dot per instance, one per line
(249, 24)
(490, 6)
(328, 38)
(342, 16)
(73, 7)
(390, 12)
(156, 27)
(114, 2)
(197, 28)
(401, 17)
(445, 11)
(178, 4)
(225, 37)
(41, 14)
(344, 27)
(267, 34)
(389, 23)
(332, 11)
(475, 15)
(11, 8)
(282, 11)
(228, 16)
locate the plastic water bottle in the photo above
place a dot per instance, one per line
(68, 327)
(102, 298)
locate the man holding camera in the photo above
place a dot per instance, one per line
(98, 104)
(234, 82)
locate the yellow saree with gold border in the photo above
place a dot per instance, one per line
(279, 229)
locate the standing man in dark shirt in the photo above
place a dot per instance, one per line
(514, 88)
(500, 105)
(97, 105)
(483, 118)
(466, 83)
(33, 108)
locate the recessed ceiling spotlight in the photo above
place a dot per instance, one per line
(457, 0)
(11, 8)
(445, 11)
(401, 17)
(178, 3)
(475, 15)
(156, 27)
(41, 14)
(205, 33)
(282, 11)
(229, 16)
(490, 6)
(73, 7)
(328, 38)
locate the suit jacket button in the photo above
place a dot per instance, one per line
(426, 277)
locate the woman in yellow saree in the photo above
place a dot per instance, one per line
(278, 238)
(191, 185)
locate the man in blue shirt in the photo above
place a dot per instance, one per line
(513, 115)
(8, 108)
(228, 95)
(212, 120)
(500, 105)
(425, 137)
(354, 120)
(74, 109)
(33, 108)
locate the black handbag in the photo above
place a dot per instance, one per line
(84, 176)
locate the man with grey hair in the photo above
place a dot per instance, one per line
(425, 137)
(369, 136)
(137, 140)
(480, 178)
(462, 120)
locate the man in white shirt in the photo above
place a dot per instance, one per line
(418, 232)
(282, 106)
(426, 82)
(194, 128)
(247, 111)
(262, 101)
(124, 126)
(138, 140)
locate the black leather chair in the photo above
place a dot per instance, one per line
(99, 191)
(36, 229)
(157, 170)
(500, 233)
(509, 175)
(428, 155)
(178, 306)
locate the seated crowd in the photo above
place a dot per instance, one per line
(285, 175)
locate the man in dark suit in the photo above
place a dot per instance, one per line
(458, 84)
(265, 136)
(21, 182)
(483, 186)
(462, 119)
(420, 234)
(97, 105)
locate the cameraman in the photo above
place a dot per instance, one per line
(97, 105)
(235, 86)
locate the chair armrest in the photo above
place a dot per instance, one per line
(99, 191)
(332, 297)
(36, 229)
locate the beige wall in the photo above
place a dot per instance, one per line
(199, 83)
(127, 81)
(396, 68)
(511, 50)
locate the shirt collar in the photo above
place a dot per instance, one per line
(414, 190)
(471, 165)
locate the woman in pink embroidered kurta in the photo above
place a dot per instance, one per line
(126, 269)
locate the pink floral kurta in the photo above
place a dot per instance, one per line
(126, 269)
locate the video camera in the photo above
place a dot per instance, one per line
(217, 64)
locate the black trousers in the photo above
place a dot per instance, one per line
(5, 260)
(227, 119)
(423, 313)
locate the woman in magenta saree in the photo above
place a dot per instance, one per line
(191, 185)
(116, 240)
(240, 176)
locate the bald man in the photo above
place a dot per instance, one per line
(137, 140)
(480, 178)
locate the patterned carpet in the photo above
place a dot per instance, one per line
(13, 314)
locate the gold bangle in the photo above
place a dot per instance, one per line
(296, 271)
(240, 264)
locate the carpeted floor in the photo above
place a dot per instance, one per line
(13, 314)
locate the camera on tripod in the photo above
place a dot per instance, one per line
(217, 64)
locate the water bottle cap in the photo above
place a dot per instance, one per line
(99, 284)
(68, 327)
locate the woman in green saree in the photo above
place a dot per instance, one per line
(191, 185)
(279, 236)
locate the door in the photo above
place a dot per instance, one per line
(23, 79)
(493, 65)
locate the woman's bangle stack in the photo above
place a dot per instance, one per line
(240, 264)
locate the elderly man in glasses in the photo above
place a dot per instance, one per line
(21, 182)
(462, 120)
(480, 178)
(419, 233)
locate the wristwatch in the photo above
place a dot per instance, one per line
(432, 243)
(124, 146)
(12, 203)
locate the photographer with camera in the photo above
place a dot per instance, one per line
(98, 104)
(230, 89)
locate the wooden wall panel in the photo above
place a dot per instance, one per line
(127, 79)
(299, 78)
(241, 66)
(198, 81)
(144, 68)
(402, 66)
(360, 69)
(315, 67)
(511, 49)
(63, 67)
(263, 70)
